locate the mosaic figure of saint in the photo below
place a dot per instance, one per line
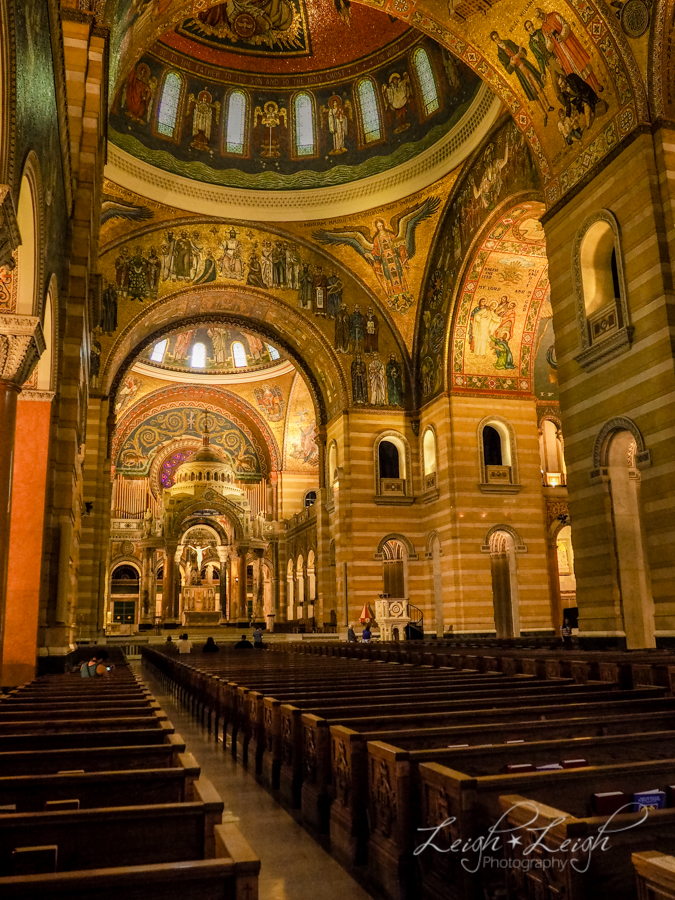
(398, 97)
(305, 283)
(231, 262)
(342, 329)
(394, 382)
(371, 332)
(568, 49)
(359, 380)
(377, 379)
(319, 291)
(336, 116)
(270, 125)
(138, 277)
(139, 92)
(153, 267)
(255, 277)
(334, 299)
(513, 59)
(356, 324)
(204, 110)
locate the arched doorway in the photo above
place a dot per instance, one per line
(125, 583)
(504, 584)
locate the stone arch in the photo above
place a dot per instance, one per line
(394, 536)
(251, 309)
(125, 561)
(211, 500)
(519, 546)
(602, 442)
(30, 254)
(508, 434)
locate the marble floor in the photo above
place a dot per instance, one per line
(293, 865)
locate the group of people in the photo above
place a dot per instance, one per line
(184, 644)
(366, 634)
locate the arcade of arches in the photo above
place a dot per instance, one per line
(307, 302)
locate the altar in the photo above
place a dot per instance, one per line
(201, 605)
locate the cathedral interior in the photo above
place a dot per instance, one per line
(323, 312)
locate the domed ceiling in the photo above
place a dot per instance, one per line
(289, 95)
(211, 350)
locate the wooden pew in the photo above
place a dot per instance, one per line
(29, 793)
(474, 803)
(394, 789)
(159, 732)
(605, 871)
(227, 878)
(49, 725)
(290, 720)
(655, 875)
(93, 759)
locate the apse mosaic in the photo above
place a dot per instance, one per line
(213, 349)
(163, 427)
(502, 167)
(258, 132)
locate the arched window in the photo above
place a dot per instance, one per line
(391, 469)
(273, 352)
(492, 446)
(290, 592)
(552, 458)
(429, 459)
(371, 126)
(198, 356)
(496, 447)
(602, 305)
(310, 499)
(389, 462)
(159, 350)
(426, 81)
(303, 125)
(239, 355)
(167, 110)
(27, 254)
(235, 123)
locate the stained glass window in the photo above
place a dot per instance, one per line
(236, 123)
(427, 82)
(239, 354)
(304, 125)
(167, 113)
(198, 356)
(158, 352)
(370, 114)
(273, 352)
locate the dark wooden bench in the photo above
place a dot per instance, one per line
(93, 759)
(30, 793)
(159, 733)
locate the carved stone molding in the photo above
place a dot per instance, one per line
(9, 229)
(43, 396)
(21, 345)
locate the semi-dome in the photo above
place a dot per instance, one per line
(205, 470)
(294, 99)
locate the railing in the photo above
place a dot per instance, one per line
(415, 630)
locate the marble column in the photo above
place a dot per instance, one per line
(242, 610)
(169, 582)
(21, 345)
(222, 589)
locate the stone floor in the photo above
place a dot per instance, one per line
(294, 866)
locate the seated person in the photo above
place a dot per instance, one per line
(243, 644)
(210, 646)
(366, 635)
(97, 666)
(184, 645)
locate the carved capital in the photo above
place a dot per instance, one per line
(9, 229)
(21, 345)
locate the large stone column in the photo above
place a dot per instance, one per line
(169, 582)
(222, 591)
(241, 611)
(21, 344)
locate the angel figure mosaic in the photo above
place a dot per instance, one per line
(388, 250)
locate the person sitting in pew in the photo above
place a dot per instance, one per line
(366, 635)
(351, 635)
(184, 645)
(210, 646)
(243, 644)
(257, 638)
(97, 666)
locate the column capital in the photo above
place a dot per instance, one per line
(21, 345)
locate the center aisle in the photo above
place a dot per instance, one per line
(293, 865)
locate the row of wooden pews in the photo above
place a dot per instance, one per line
(98, 796)
(379, 755)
